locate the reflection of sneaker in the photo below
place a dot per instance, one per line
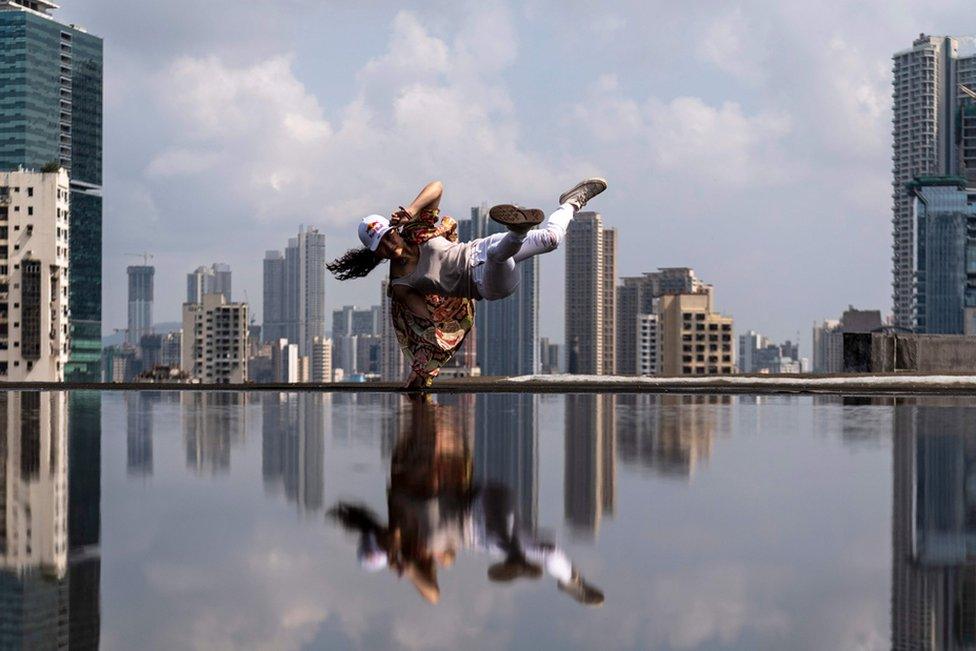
(512, 569)
(582, 192)
(516, 218)
(582, 591)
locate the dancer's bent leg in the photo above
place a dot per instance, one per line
(499, 277)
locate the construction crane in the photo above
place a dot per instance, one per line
(967, 91)
(146, 257)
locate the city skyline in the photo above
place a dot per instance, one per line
(753, 181)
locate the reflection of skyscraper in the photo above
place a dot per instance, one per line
(293, 446)
(506, 449)
(212, 423)
(84, 518)
(33, 529)
(668, 434)
(589, 475)
(933, 599)
(139, 431)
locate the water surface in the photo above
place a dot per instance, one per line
(204, 520)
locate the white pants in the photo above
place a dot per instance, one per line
(496, 275)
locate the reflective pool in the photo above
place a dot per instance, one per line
(166, 520)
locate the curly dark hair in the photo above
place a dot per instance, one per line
(354, 263)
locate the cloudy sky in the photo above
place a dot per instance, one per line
(748, 140)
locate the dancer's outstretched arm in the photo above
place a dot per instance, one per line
(429, 198)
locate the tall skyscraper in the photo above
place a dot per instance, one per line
(215, 279)
(294, 291)
(934, 129)
(945, 256)
(34, 258)
(51, 113)
(507, 330)
(273, 318)
(590, 295)
(140, 304)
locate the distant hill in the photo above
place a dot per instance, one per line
(160, 328)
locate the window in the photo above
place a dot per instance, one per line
(30, 210)
(30, 192)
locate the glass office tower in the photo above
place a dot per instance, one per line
(51, 114)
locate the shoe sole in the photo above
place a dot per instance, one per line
(596, 179)
(508, 215)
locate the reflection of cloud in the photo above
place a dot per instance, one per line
(710, 604)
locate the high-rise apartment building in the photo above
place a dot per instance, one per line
(636, 297)
(51, 114)
(934, 129)
(590, 295)
(648, 344)
(945, 256)
(140, 303)
(34, 261)
(294, 291)
(506, 330)
(393, 364)
(215, 279)
(214, 342)
(321, 370)
(694, 339)
(273, 317)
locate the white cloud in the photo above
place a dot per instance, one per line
(423, 109)
(687, 139)
(730, 43)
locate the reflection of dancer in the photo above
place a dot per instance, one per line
(435, 510)
(434, 279)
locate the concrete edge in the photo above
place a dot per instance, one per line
(894, 384)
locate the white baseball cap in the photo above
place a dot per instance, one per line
(372, 229)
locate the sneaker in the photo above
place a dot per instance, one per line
(582, 192)
(582, 591)
(516, 218)
(512, 569)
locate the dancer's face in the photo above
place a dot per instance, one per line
(391, 246)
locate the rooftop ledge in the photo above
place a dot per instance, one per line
(874, 384)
